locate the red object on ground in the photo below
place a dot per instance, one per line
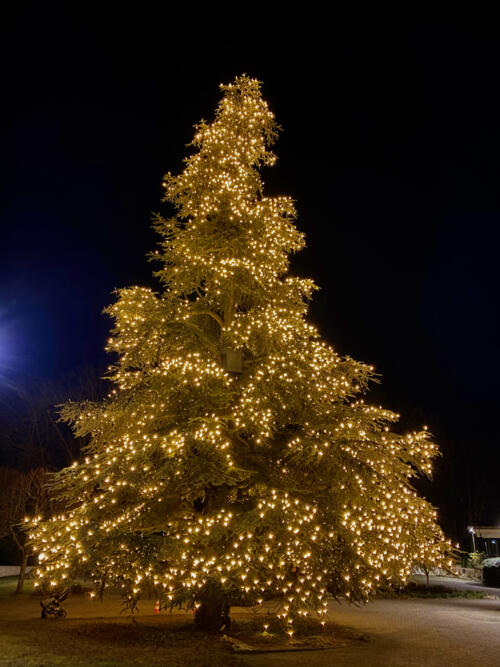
(157, 607)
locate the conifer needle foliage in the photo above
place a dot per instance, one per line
(235, 457)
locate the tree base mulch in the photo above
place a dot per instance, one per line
(250, 636)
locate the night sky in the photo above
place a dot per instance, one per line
(390, 148)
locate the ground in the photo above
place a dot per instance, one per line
(410, 633)
(401, 633)
(97, 634)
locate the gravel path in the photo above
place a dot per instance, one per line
(452, 632)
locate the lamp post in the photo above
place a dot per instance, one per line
(471, 531)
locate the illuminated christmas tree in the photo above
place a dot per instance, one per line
(235, 458)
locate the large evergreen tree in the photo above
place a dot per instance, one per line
(235, 457)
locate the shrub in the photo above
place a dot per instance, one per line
(475, 559)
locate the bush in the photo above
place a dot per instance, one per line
(475, 559)
(417, 590)
(491, 572)
(492, 562)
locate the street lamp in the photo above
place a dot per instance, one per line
(471, 531)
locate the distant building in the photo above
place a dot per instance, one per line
(486, 538)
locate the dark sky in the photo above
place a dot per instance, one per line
(390, 148)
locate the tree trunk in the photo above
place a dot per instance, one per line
(212, 615)
(230, 308)
(22, 571)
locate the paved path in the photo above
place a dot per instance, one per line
(462, 584)
(453, 632)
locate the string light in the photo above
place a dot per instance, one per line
(279, 480)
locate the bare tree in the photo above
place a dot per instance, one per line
(31, 433)
(23, 494)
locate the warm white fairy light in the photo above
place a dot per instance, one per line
(278, 480)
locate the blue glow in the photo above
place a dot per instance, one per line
(8, 349)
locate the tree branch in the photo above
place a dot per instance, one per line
(211, 314)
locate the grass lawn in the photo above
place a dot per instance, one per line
(419, 590)
(95, 633)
